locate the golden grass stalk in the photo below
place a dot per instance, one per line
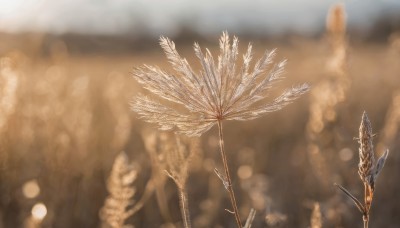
(328, 93)
(392, 123)
(336, 21)
(368, 168)
(9, 80)
(154, 144)
(336, 28)
(316, 217)
(179, 154)
(219, 92)
(117, 206)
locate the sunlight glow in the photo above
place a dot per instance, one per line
(9, 7)
(39, 211)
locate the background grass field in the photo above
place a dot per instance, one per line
(66, 115)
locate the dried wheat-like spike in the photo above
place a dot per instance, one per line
(316, 217)
(368, 169)
(116, 208)
(366, 151)
(219, 92)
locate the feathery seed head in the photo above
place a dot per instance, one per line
(220, 91)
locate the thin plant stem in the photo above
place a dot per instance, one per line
(148, 192)
(250, 218)
(227, 176)
(366, 220)
(367, 201)
(184, 207)
(162, 202)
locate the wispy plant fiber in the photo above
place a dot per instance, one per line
(220, 91)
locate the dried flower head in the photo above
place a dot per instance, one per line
(366, 152)
(221, 91)
(367, 168)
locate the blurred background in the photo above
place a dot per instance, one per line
(66, 89)
(172, 18)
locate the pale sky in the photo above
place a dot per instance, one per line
(166, 17)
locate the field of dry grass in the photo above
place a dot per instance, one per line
(66, 116)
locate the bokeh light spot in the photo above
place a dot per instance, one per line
(31, 189)
(245, 172)
(345, 154)
(39, 211)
